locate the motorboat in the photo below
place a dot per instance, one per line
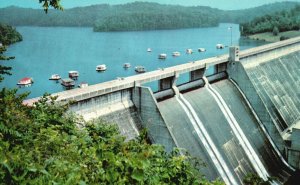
(55, 77)
(73, 74)
(176, 54)
(201, 49)
(220, 46)
(149, 50)
(101, 67)
(83, 85)
(68, 82)
(162, 56)
(126, 65)
(140, 69)
(27, 81)
(189, 51)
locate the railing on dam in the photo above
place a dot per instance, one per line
(136, 80)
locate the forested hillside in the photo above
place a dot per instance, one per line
(276, 22)
(245, 15)
(151, 16)
(136, 16)
(9, 35)
(100, 14)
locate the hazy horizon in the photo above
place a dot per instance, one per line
(220, 4)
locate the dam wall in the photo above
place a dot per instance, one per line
(152, 120)
(242, 119)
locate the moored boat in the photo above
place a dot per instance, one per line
(176, 54)
(162, 56)
(140, 69)
(83, 85)
(201, 49)
(101, 67)
(27, 81)
(189, 51)
(149, 50)
(219, 46)
(68, 82)
(126, 65)
(55, 77)
(73, 74)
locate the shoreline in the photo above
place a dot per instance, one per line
(269, 37)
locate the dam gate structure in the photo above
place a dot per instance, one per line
(242, 118)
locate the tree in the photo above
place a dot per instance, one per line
(44, 144)
(51, 3)
(275, 31)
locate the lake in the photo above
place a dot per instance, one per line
(49, 50)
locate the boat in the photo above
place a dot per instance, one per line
(149, 50)
(140, 69)
(127, 65)
(73, 74)
(55, 77)
(201, 49)
(176, 54)
(27, 81)
(162, 56)
(83, 85)
(189, 51)
(101, 67)
(219, 46)
(68, 82)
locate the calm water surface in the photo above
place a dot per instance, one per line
(48, 50)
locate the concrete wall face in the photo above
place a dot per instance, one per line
(113, 108)
(237, 72)
(151, 117)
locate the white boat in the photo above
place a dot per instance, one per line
(149, 50)
(219, 46)
(55, 77)
(27, 81)
(101, 67)
(73, 74)
(162, 56)
(126, 65)
(140, 69)
(83, 85)
(68, 82)
(176, 54)
(189, 51)
(201, 49)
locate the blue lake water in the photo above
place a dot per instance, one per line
(49, 50)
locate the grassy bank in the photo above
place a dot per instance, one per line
(269, 37)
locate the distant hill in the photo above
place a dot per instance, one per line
(276, 22)
(135, 16)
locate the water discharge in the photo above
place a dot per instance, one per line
(255, 160)
(207, 141)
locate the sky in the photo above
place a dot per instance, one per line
(221, 4)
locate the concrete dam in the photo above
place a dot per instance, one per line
(243, 118)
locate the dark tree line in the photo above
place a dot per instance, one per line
(276, 22)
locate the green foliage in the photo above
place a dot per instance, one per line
(253, 179)
(279, 21)
(8, 35)
(51, 3)
(44, 144)
(275, 31)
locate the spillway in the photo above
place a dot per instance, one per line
(277, 82)
(222, 133)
